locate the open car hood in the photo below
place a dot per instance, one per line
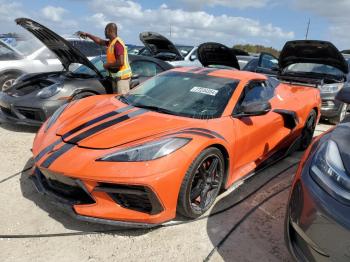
(64, 51)
(217, 54)
(312, 51)
(158, 44)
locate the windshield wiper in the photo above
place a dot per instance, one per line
(155, 108)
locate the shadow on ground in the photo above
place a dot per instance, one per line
(259, 237)
(70, 223)
(19, 128)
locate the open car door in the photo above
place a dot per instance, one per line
(267, 64)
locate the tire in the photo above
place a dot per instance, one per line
(341, 116)
(82, 95)
(7, 80)
(201, 182)
(308, 131)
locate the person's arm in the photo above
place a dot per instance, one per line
(94, 38)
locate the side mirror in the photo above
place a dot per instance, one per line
(254, 109)
(344, 95)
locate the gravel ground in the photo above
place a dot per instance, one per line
(31, 229)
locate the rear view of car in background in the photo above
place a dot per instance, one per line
(317, 226)
(331, 77)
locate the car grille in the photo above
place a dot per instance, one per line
(32, 113)
(138, 198)
(65, 188)
(7, 111)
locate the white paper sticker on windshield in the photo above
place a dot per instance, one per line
(203, 90)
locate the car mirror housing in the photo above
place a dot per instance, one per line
(344, 94)
(254, 109)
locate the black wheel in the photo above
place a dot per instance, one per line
(341, 116)
(308, 131)
(6, 81)
(82, 95)
(202, 183)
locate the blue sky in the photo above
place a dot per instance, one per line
(267, 22)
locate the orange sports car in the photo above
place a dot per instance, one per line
(173, 143)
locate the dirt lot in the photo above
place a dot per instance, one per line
(245, 224)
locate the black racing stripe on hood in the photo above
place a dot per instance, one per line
(207, 131)
(47, 150)
(96, 120)
(48, 161)
(78, 128)
(72, 142)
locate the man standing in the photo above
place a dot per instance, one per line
(117, 58)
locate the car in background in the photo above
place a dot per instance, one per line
(172, 144)
(160, 47)
(29, 56)
(317, 224)
(134, 49)
(35, 97)
(331, 77)
(264, 63)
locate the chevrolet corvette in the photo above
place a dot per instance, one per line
(173, 143)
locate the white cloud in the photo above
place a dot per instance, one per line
(9, 11)
(337, 15)
(240, 4)
(53, 13)
(187, 26)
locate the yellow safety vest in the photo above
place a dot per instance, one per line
(125, 70)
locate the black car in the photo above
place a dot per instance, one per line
(334, 77)
(264, 63)
(34, 97)
(318, 213)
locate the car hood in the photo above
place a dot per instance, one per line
(217, 54)
(312, 51)
(145, 124)
(157, 44)
(64, 51)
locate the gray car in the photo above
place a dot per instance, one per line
(34, 97)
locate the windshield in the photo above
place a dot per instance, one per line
(26, 47)
(97, 62)
(184, 50)
(184, 94)
(313, 68)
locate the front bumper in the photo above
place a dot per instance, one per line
(98, 203)
(330, 106)
(24, 110)
(317, 225)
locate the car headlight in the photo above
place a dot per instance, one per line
(331, 88)
(55, 116)
(50, 91)
(329, 172)
(148, 151)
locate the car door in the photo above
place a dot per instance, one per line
(256, 136)
(267, 64)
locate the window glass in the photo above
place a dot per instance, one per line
(97, 62)
(185, 94)
(257, 92)
(145, 68)
(252, 65)
(268, 61)
(313, 68)
(88, 48)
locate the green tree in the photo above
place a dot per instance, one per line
(258, 49)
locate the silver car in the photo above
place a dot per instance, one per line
(30, 56)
